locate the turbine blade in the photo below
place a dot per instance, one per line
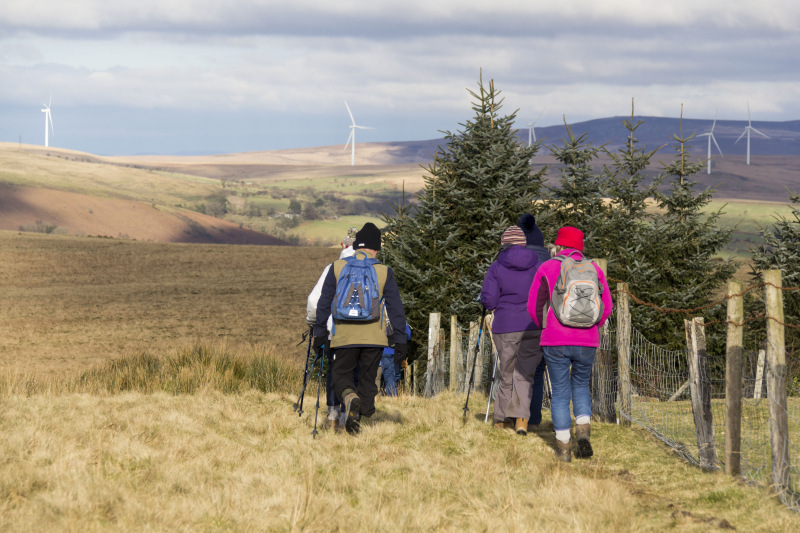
(362, 127)
(350, 113)
(540, 115)
(762, 134)
(349, 139)
(715, 144)
(714, 124)
(740, 136)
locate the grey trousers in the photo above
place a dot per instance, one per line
(519, 353)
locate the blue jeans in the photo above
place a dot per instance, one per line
(391, 374)
(538, 394)
(570, 369)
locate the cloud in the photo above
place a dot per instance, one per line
(409, 61)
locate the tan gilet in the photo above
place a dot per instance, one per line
(361, 333)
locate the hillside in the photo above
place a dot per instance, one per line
(53, 190)
(774, 162)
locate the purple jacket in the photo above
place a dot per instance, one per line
(506, 286)
(556, 334)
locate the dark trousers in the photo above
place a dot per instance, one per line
(367, 360)
(332, 399)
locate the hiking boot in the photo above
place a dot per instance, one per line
(506, 423)
(564, 450)
(353, 413)
(582, 433)
(521, 426)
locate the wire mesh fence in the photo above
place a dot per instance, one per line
(661, 400)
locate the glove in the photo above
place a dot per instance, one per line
(319, 343)
(400, 352)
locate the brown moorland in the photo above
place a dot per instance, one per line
(84, 196)
(68, 303)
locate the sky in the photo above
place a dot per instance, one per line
(133, 77)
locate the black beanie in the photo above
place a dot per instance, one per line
(368, 237)
(533, 235)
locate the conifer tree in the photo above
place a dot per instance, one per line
(683, 238)
(577, 200)
(480, 183)
(625, 231)
(781, 250)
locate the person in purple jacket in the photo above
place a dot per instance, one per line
(568, 351)
(516, 336)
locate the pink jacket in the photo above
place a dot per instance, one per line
(556, 334)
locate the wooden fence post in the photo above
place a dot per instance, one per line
(455, 351)
(441, 366)
(776, 381)
(700, 388)
(434, 319)
(468, 370)
(762, 355)
(733, 380)
(602, 374)
(479, 360)
(624, 353)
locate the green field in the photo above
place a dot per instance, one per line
(747, 220)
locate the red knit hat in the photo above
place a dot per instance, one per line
(570, 237)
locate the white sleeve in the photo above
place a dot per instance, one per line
(313, 298)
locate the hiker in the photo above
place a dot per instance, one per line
(516, 336)
(534, 240)
(390, 368)
(360, 342)
(335, 420)
(570, 336)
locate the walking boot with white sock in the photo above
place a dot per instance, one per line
(583, 433)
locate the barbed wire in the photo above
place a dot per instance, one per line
(694, 310)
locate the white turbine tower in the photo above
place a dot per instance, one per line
(531, 132)
(352, 138)
(48, 118)
(711, 137)
(747, 130)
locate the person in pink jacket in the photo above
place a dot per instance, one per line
(568, 351)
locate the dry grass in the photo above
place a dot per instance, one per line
(134, 399)
(244, 462)
(69, 303)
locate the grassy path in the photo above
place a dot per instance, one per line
(244, 462)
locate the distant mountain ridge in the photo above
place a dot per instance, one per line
(784, 137)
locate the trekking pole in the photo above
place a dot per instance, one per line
(310, 373)
(298, 406)
(319, 386)
(474, 360)
(492, 389)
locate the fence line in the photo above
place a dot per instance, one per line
(715, 411)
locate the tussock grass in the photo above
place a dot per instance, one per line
(184, 371)
(247, 462)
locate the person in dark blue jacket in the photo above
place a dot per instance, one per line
(534, 240)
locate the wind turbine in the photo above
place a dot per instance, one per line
(711, 137)
(47, 118)
(531, 133)
(352, 138)
(747, 130)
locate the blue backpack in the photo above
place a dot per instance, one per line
(357, 298)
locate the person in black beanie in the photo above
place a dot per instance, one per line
(534, 240)
(361, 343)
